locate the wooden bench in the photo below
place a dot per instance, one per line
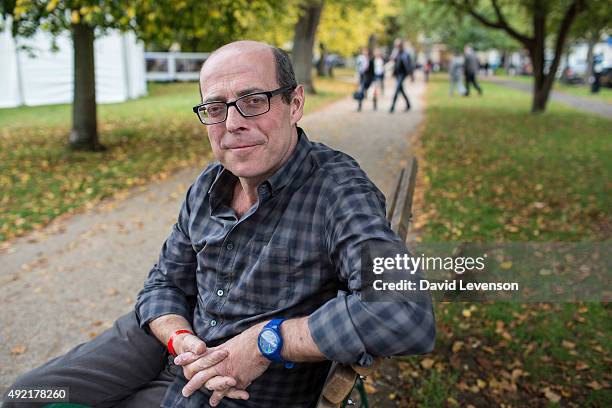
(342, 378)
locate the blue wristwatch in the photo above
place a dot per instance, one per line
(270, 342)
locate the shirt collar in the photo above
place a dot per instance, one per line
(295, 167)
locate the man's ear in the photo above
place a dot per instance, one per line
(297, 104)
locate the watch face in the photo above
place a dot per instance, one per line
(268, 341)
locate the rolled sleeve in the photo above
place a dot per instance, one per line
(348, 329)
(173, 278)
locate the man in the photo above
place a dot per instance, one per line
(245, 291)
(402, 67)
(471, 67)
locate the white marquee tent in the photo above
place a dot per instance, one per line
(46, 77)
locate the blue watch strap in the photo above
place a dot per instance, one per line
(274, 325)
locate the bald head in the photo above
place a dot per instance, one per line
(240, 47)
(270, 59)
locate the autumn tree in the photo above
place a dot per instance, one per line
(545, 17)
(83, 19)
(305, 31)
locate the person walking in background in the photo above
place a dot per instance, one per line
(455, 73)
(471, 67)
(402, 67)
(597, 70)
(379, 75)
(427, 69)
(365, 68)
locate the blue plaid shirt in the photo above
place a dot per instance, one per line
(288, 256)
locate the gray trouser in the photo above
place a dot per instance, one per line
(136, 376)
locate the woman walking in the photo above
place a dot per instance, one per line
(365, 67)
(379, 75)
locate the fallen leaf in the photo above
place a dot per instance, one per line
(457, 346)
(581, 365)
(484, 363)
(550, 395)
(594, 385)
(427, 363)
(516, 373)
(19, 349)
(568, 344)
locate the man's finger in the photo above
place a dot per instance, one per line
(232, 393)
(235, 393)
(216, 398)
(198, 380)
(220, 383)
(206, 361)
(186, 358)
(193, 344)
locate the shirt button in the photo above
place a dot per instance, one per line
(229, 246)
(213, 323)
(220, 292)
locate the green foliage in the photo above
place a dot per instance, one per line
(193, 24)
(204, 26)
(440, 23)
(596, 20)
(58, 15)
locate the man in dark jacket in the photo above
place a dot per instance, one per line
(471, 67)
(402, 67)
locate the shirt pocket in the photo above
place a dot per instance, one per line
(265, 283)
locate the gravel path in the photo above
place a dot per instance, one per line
(68, 282)
(588, 105)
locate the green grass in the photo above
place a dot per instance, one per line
(487, 161)
(147, 138)
(604, 95)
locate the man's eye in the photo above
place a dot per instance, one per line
(214, 110)
(255, 100)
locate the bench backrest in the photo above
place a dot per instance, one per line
(341, 378)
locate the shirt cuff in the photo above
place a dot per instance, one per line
(160, 302)
(333, 332)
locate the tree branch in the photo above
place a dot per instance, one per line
(511, 30)
(500, 24)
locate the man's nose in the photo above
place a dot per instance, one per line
(235, 121)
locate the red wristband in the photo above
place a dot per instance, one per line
(176, 333)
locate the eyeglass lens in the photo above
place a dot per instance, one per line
(249, 105)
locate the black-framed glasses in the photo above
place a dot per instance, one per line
(253, 104)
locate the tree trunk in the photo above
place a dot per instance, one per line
(303, 41)
(321, 62)
(536, 52)
(84, 133)
(593, 37)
